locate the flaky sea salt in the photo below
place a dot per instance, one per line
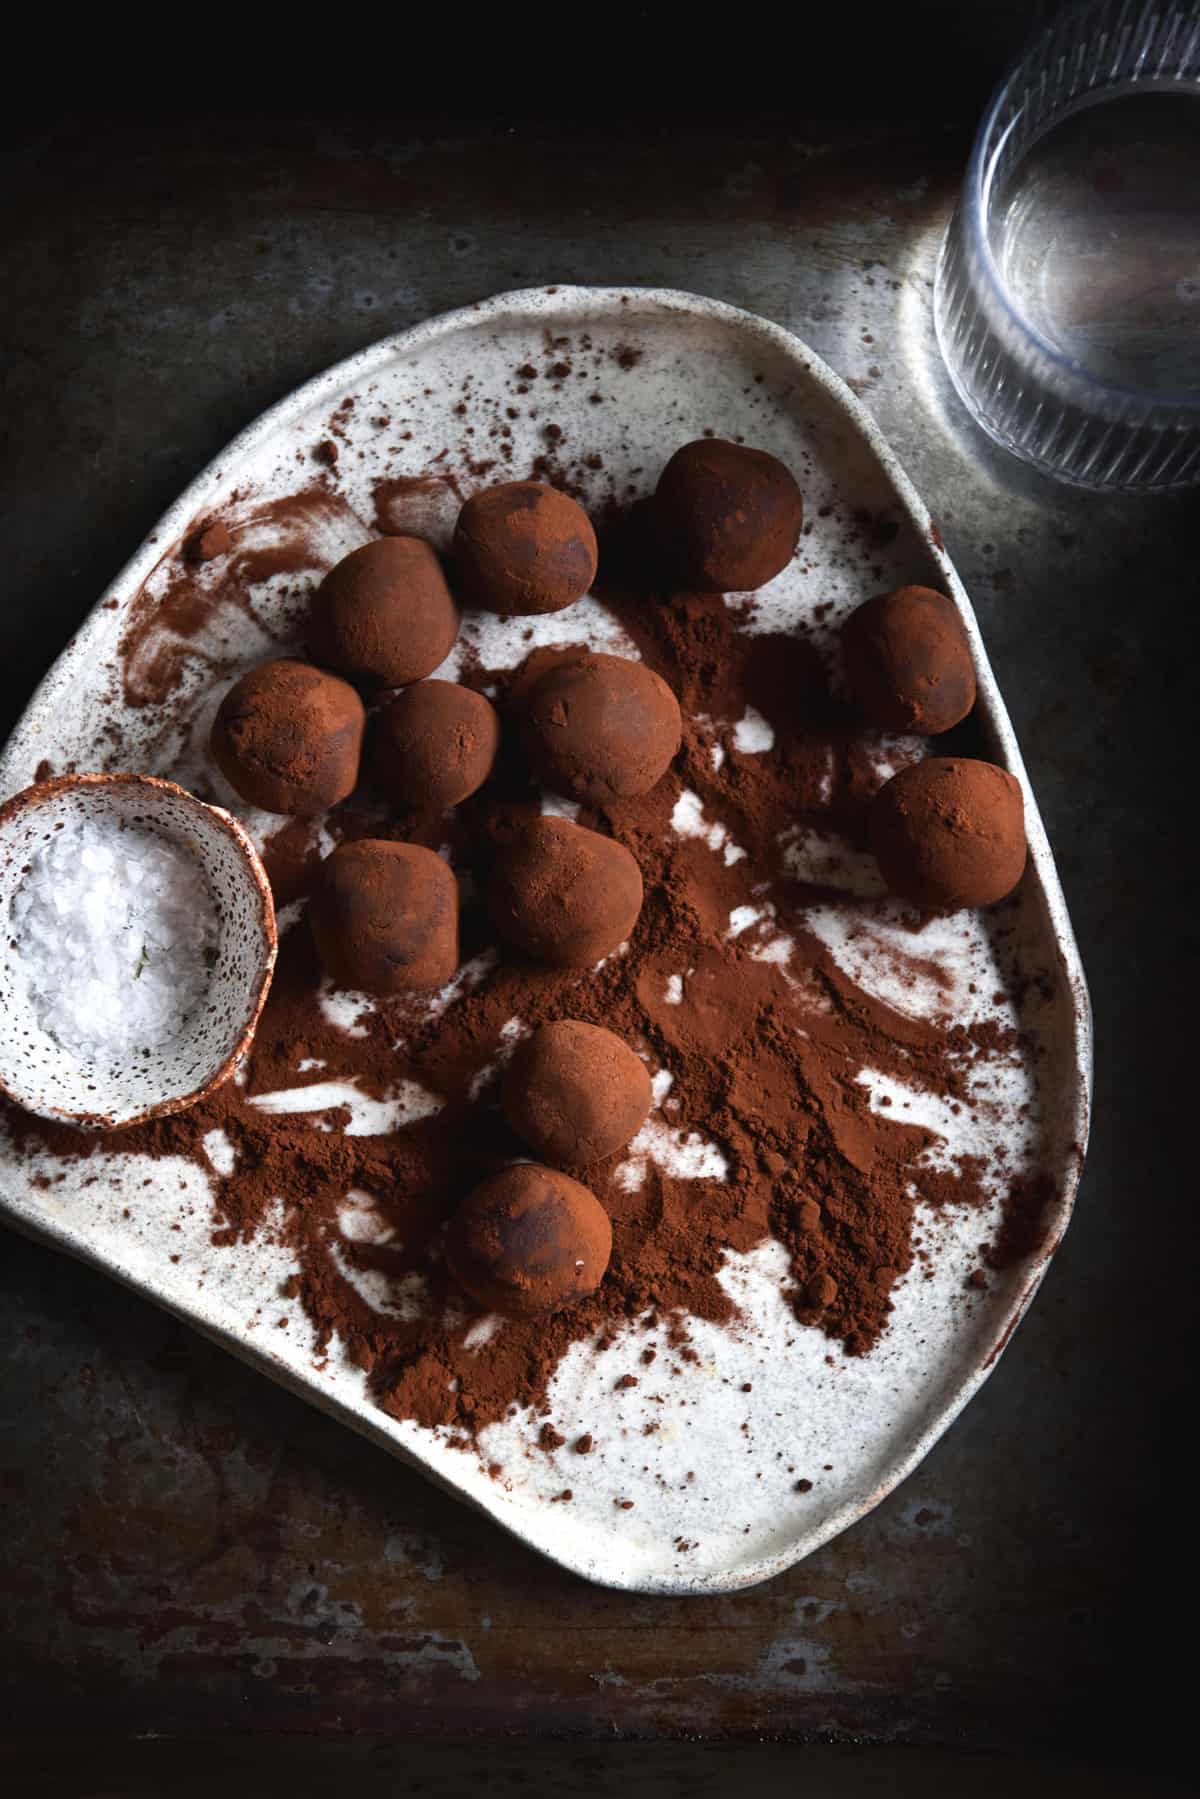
(113, 934)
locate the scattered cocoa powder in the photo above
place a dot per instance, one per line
(1023, 1224)
(212, 541)
(764, 1061)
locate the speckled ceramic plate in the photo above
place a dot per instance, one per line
(628, 376)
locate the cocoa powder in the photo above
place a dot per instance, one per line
(167, 632)
(764, 1059)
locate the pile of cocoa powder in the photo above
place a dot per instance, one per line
(763, 1053)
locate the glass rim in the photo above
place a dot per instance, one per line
(1185, 400)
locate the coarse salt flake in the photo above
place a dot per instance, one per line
(114, 936)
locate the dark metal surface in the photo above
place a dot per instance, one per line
(189, 1550)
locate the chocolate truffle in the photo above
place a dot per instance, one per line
(564, 895)
(529, 1241)
(907, 662)
(524, 547)
(434, 744)
(288, 737)
(385, 917)
(575, 1093)
(384, 614)
(729, 517)
(600, 728)
(949, 832)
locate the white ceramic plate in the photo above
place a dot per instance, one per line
(667, 367)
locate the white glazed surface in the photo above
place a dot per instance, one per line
(53, 1081)
(715, 1504)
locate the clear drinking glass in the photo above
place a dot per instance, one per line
(1067, 300)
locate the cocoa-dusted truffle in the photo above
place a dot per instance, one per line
(384, 613)
(575, 1093)
(907, 662)
(434, 745)
(728, 517)
(600, 728)
(528, 1241)
(564, 895)
(288, 737)
(524, 547)
(385, 917)
(949, 832)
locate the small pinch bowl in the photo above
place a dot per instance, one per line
(110, 1093)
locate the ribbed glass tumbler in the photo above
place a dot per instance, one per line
(1067, 300)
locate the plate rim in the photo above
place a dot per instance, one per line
(609, 301)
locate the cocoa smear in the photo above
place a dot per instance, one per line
(1023, 1228)
(765, 1063)
(181, 602)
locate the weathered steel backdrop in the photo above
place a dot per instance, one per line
(189, 1550)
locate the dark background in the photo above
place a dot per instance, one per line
(203, 1578)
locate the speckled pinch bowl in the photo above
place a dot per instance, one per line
(108, 1093)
